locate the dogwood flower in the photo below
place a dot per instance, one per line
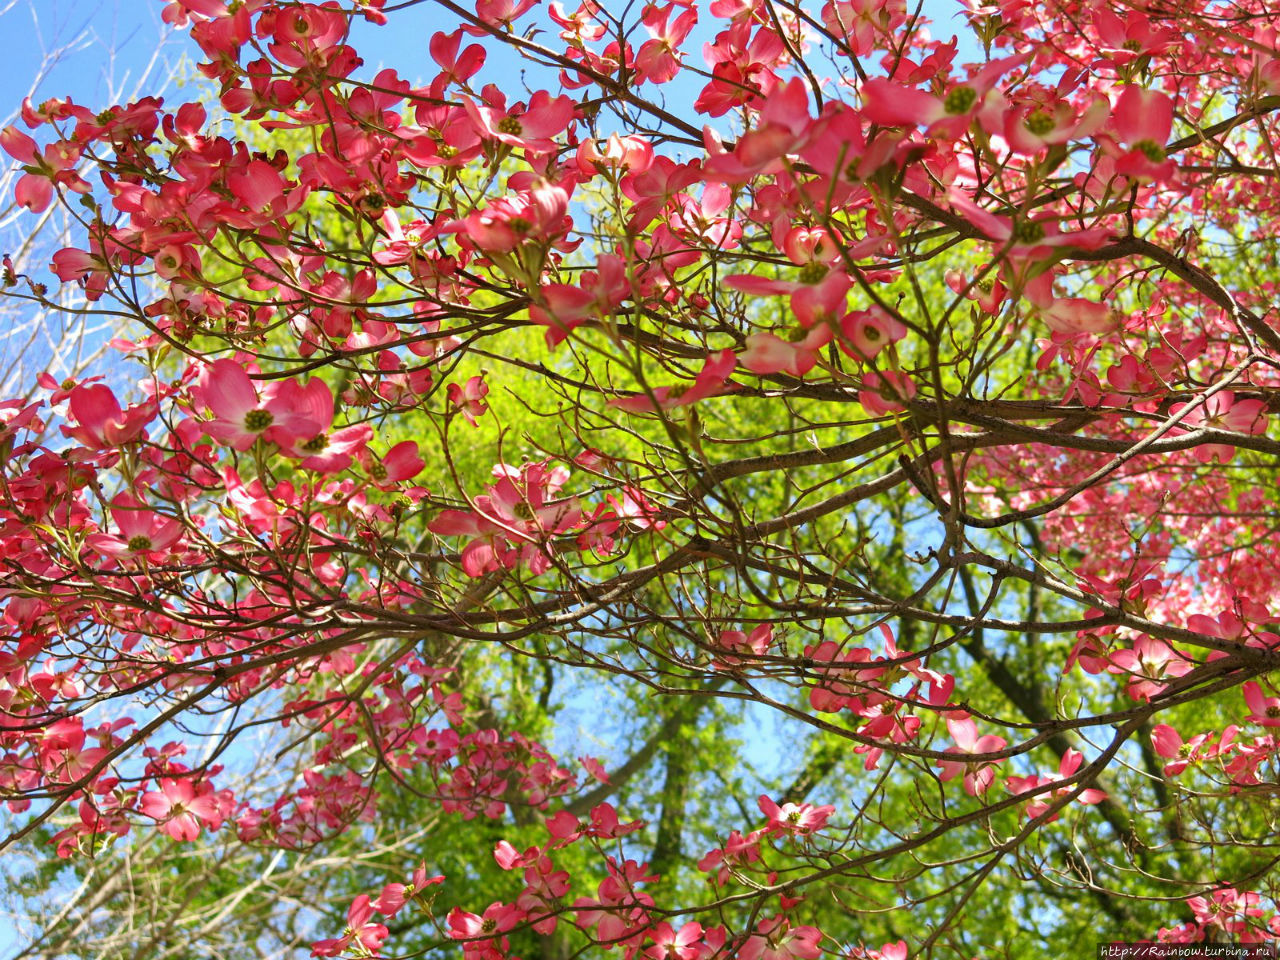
(100, 423)
(1264, 710)
(796, 819)
(977, 774)
(180, 809)
(143, 532)
(776, 939)
(241, 414)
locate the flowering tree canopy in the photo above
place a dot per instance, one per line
(746, 479)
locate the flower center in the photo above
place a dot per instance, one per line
(1151, 150)
(1039, 122)
(378, 471)
(510, 125)
(316, 443)
(812, 272)
(960, 99)
(255, 421)
(1029, 231)
(139, 543)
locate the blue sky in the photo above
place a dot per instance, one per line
(82, 48)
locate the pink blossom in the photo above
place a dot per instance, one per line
(240, 414)
(741, 63)
(538, 214)
(403, 241)
(93, 822)
(264, 196)
(595, 768)
(91, 267)
(710, 382)
(544, 885)
(1233, 911)
(399, 464)
(564, 308)
(669, 944)
(500, 12)
(513, 521)
(977, 774)
(55, 164)
(657, 59)
(1131, 37)
(783, 128)
(1147, 663)
(497, 919)
(142, 532)
(564, 826)
(1067, 768)
(1028, 239)
(180, 810)
(606, 824)
(889, 103)
(1168, 743)
(1264, 710)
(1090, 653)
(804, 245)
(867, 332)
(755, 644)
(768, 353)
(454, 69)
(776, 939)
(819, 294)
(1142, 121)
(886, 392)
(1221, 411)
(988, 293)
(630, 154)
(796, 819)
(1030, 128)
(317, 448)
(360, 930)
(100, 423)
(468, 399)
(889, 951)
(531, 128)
